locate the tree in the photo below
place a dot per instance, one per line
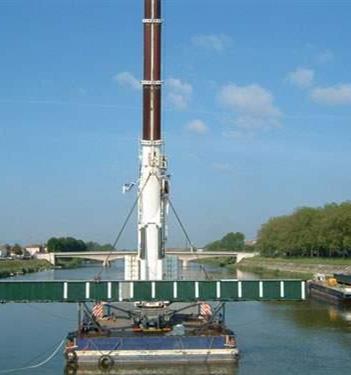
(65, 244)
(17, 249)
(94, 246)
(321, 231)
(230, 242)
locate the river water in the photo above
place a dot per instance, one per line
(274, 337)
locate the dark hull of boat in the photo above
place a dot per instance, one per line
(335, 295)
(156, 369)
(141, 349)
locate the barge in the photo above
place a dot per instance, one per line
(149, 369)
(110, 335)
(150, 332)
(343, 279)
(336, 289)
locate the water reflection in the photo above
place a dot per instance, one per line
(337, 313)
(166, 369)
(89, 271)
(313, 314)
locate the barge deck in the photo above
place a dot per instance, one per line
(150, 335)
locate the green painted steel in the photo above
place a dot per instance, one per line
(208, 290)
(164, 290)
(97, 290)
(142, 291)
(342, 278)
(271, 289)
(250, 290)
(185, 291)
(229, 290)
(76, 291)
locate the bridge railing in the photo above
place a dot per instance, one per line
(173, 291)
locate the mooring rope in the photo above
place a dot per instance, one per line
(42, 363)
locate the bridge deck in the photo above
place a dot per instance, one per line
(173, 291)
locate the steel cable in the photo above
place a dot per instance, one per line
(123, 226)
(42, 363)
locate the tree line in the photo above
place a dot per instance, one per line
(15, 249)
(70, 244)
(322, 231)
(230, 242)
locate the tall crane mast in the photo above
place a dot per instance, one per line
(153, 181)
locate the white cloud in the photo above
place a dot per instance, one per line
(216, 42)
(177, 101)
(177, 85)
(178, 93)
(301, 77)
(82, 91)
(127, 79)
(197, 126)
(239, 134)
(325, 56)
(252, 106)
(222, 167)
(332, 95)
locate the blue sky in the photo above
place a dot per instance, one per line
(256, 113)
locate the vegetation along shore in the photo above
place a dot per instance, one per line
(306, 242)
(284, 267)
(11, 267)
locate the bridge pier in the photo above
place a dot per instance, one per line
(52, 259)
(241, 256)
(106, 263)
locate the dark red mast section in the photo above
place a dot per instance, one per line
(152, 71)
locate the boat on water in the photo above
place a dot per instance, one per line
(154, 332)
(150, 333)
(335, 289)
(157, 369)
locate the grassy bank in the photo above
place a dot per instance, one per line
(275, 269)
(69, 263)
(11, 267)
(304, 261)
(285, 267)
(302, 267)
(265, 273)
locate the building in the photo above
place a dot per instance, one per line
(35, 249)
(4, 251)
(250, 242)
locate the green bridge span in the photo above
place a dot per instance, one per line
(173, 291)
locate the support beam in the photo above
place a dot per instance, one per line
(173, 291)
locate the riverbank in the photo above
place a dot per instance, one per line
(282, 267)
(20, 267)
(69, 263)
(305, 267)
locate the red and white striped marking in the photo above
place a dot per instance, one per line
(98, 310)
(206, 310)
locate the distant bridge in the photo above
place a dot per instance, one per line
(106, 257)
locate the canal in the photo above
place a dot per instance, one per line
(274, 338)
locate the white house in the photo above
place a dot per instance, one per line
(3, 251)
(250, 242)
(35, 249)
